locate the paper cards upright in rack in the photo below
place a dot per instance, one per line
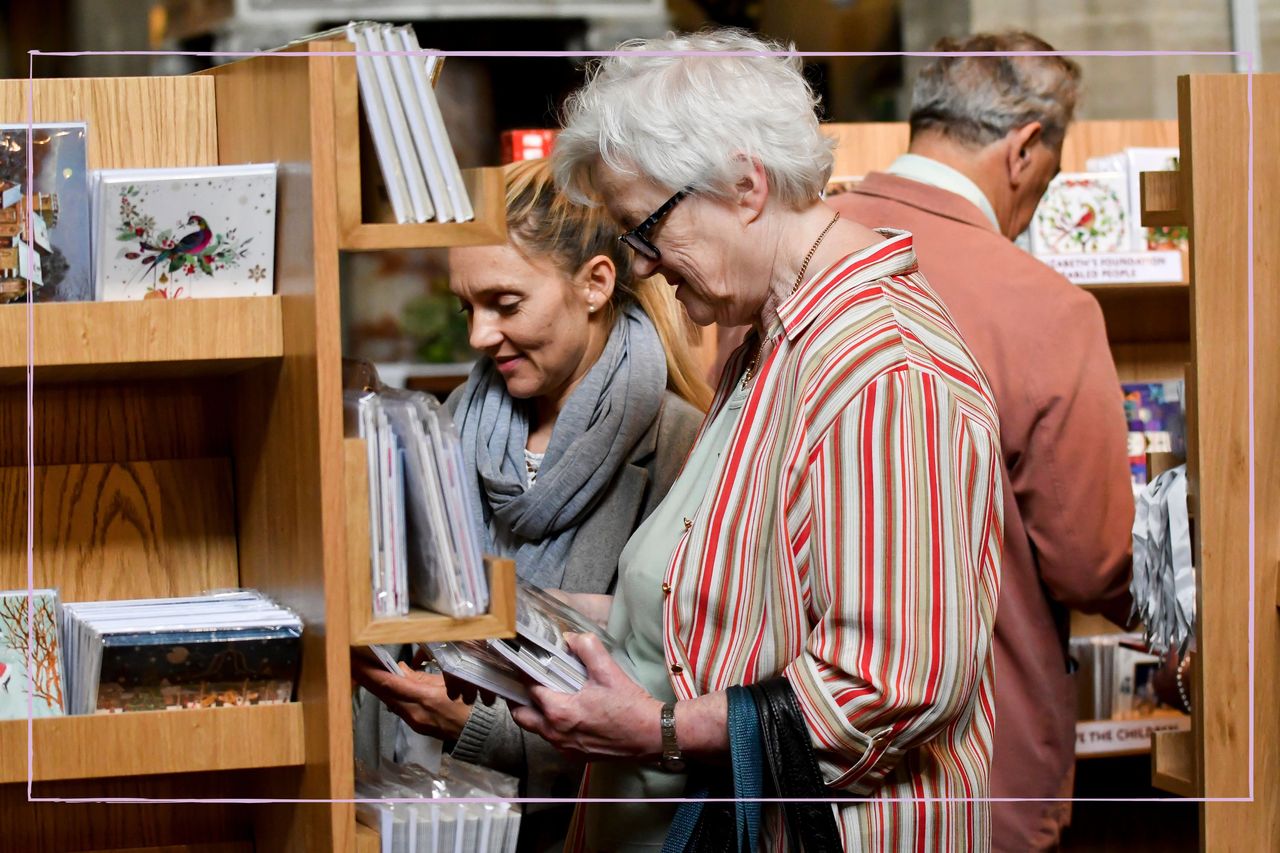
(1082, 212)
(44, 229)
(201, 232)
(23, 641)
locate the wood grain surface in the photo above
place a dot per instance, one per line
(148, 743)
(121, 529)
(153, 337)
(133, 121)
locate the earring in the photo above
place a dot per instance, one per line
(591, 308)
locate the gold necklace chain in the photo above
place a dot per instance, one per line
(755, 362)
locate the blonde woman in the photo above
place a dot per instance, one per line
(574, 424)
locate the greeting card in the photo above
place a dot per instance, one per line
(1082, 212)
(44, 228)
(26, 641)
(185, 233)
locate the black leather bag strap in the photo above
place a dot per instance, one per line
(794, 769)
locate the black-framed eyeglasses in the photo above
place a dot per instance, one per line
(638, 238)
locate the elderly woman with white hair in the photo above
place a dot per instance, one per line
(817, 591)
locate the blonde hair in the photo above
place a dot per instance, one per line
(546, 223)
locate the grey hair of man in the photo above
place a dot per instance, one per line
(978, 100)
(692, 121)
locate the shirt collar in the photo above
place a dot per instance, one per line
(895, 255)
(929, 171)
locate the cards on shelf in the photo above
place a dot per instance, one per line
(1082, 212)
(418, 164)
(204, 651)
(200, 232)
(424, 546)
(46, 252)
(538, 654)
(31, 673)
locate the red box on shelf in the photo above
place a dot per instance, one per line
(526, 144)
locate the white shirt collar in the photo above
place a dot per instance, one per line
(926, 170)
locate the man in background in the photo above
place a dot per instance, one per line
(986, 139)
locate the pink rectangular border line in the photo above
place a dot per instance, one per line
(575, 54)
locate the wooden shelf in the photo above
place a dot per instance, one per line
(486, 189)
(365, 221)
(1173, 763)
(1172, 287)
(419, 626)
(153, 742)
(145, 339)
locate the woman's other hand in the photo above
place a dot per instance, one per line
(418, 698)
(612, 717)
(594, 606)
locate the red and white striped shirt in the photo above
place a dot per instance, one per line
(851, 541)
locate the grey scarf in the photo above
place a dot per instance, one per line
(612, 407)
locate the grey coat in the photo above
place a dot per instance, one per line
(491, 737)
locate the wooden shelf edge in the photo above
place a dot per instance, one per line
(486, 188)
(90, 340)
(1138, 287)
(421, 626)
(1161, 194)
(147, 743)
(1173, 762)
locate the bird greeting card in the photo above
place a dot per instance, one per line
(26, 641)
(1082, 212)
(202, 232)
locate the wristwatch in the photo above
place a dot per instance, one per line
(672, 758)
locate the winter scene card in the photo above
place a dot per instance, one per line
(44, 229)
(22, 640)
(204, 232)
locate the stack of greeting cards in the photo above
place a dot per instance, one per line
(205, 231)
(230, 648)
(418, 165)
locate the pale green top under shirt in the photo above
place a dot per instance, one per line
(636, 622)
(929, 171)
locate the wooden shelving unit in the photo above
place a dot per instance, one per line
(182, 446)
(78, 341)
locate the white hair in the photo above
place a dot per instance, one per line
(692, 121)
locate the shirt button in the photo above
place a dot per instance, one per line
(676, 669)
(666, 589)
